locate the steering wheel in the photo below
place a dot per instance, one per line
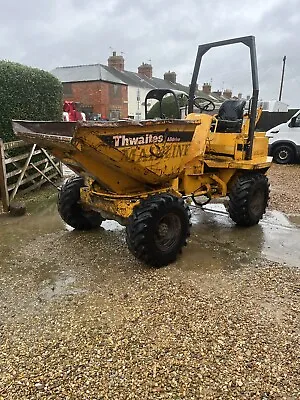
(204, 104)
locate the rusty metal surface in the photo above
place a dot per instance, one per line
(52, 128)
(130, 158)
(129, 122)
(122, 155)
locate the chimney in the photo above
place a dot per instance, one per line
(227, 93)
(170, 77)
(206, 88)
(116, 62)
(145, 70)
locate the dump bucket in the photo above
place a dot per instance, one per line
(139, 153)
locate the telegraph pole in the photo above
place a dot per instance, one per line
(282, 76)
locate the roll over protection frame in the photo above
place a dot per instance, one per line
(250, 42)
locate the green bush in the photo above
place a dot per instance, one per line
(27, 93)
(169, 107)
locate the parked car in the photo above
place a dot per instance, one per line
(284, 141)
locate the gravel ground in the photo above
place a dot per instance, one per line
(285, 193)
(216, 336)
(82, 319)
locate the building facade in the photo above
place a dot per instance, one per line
(98, 91)
(111, 92)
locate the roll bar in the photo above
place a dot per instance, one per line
(250, 42)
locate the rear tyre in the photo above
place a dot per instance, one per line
(284, 154)
(248, 199)
(70, 209)
(158, 229)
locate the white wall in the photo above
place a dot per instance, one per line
(273, 106)
(136, 106)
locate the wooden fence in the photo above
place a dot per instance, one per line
(24, 168)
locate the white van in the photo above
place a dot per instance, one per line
(284, 141)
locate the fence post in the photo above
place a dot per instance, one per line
(3, 180)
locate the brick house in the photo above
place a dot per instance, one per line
(96, 88)
(113, 93)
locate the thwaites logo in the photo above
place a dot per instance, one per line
(124, 140)
(137, 140)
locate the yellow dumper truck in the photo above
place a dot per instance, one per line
(141, 173)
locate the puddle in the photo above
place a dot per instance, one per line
(275, 238)
(59, 286)
(215, 242)
(112, 226)
(42, 258)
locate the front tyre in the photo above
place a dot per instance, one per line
(70, 209)
(248, 199)
(283, 154)
(158, 229)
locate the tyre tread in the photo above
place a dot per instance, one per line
(140, 223)
(239, 198)
(71, 211)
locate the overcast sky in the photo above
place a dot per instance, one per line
(51, 33)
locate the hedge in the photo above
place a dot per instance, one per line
(169, 107)
(27, 93)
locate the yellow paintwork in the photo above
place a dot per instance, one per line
(128, 168)
(125, 162)
(176, 167)
(115, 206)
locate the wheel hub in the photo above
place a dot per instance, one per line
(168, 232)
(283, 155)
(163, 230)
(257, 202)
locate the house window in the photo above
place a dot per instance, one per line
(67, 89)
(115, 91)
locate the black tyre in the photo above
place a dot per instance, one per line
(70, 209)
(284, 154)
(248, 199)
(158, 229)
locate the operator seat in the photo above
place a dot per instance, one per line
(230, 116)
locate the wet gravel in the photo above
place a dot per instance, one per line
(219, 336)
(82, 319)
(226, 335)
